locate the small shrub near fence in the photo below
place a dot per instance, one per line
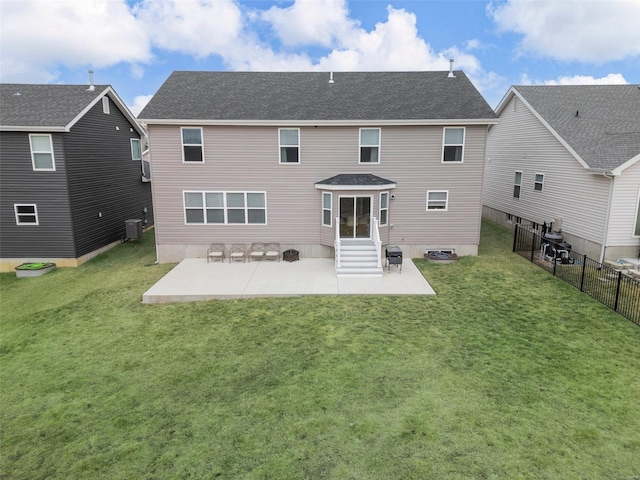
(609, 286)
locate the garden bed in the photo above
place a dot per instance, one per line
(34, 269)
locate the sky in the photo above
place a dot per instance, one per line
(134, 45)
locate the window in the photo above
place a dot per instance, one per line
(289, 145)
(42, 152)
(192, 147)
(539, 182)
(384, 208)
(136, 154)
(369, 145)
(105, 105)
(26, 214)
(453, 148)
(437, 200)
(326, 209)
(225, 208)
(517, 183)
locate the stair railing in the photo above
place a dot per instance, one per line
(377, 241)
(336, 243)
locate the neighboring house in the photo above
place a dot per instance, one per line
(70, 173)
(317, 161)
(569, 155)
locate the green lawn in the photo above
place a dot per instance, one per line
(507, 373)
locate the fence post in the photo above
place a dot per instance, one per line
(515, 238)
(615, 307)
(584, 268)
(533, 246)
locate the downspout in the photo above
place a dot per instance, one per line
(608, 216)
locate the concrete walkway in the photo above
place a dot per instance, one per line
(194, 279)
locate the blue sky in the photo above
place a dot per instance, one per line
(135, 44)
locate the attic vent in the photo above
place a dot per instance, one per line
(17, 94)
(451, 75)
(92, 87)
(331, 77)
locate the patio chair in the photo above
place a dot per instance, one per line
(256, 251)
(215, 252)
(238, 251)
(272, 251)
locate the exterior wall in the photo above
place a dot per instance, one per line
(246, 159)
(105, 185)
(624, 203)
(520, 142)
(19, 183)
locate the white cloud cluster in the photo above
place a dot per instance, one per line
(595, 31)
(611, 79)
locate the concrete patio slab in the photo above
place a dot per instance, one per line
(194, 279)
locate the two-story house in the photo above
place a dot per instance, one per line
(570, 156)
(317, 161)
(71, 173)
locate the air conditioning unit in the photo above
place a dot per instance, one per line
(133, 229)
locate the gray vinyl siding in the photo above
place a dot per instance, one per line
(19, 183)
(521, 142)
(105, 184)
(246, 159)
(623, 208)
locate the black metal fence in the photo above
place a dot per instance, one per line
(609, 286)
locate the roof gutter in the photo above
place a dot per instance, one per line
(314, 123)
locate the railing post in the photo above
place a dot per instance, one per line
(584, 268)
(533, 246)
(515, 238)
(615, 307)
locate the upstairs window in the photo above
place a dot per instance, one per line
(369, 145)
(42, 152)
(453, 145)
(136, 154)
(26, 214)
(517, 184)
(538, 182)
(192, 147)
(384, 208)
(326, 209)
(437, 200)
(105, 105)
(289, 142)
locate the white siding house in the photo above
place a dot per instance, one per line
(575, 150)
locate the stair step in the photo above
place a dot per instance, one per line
(359, 272)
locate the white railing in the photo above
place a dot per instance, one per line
(376, 239)
(336, 243)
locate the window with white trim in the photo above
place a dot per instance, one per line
(225, 208)
(369, 145)
(517, 184)
(538, 184)
(192, 145)
(384, 208)
(289, 142)
(105, 105)
(136, 153)
(437, 200)
(26, 214)
(636, 231)
(453, 144)
(42, 152)
(326, 209)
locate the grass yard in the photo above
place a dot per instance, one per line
(507, 373)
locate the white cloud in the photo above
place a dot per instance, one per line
(610, 79)
(83, 33)
(595, 31)
(193, 27)
(139, 103)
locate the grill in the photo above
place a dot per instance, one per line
(555, 249)
(394, 257)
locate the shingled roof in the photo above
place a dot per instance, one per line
(601, 123)
(50, 107)
(310, 96)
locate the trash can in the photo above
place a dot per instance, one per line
(291, 255)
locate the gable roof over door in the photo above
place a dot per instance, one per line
(52, 108)
(307, 97)
(598, 124)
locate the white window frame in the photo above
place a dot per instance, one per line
(225, 207)
(385, 209)
(446, 201)
(33, 152)
(139, 151)
(378, 146)
(445, 145)
(519, 185)
(18, 215)
(329, 209)
(201, 144)
(536, 182)
(636, 228)
(281, 146)
(105, 105)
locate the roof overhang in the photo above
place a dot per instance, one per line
(26, 128)
(358, 182)
(321, 123)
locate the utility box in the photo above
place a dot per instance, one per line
(133, 230)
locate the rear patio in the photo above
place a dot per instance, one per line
(194, 279)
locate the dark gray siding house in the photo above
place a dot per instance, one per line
(333, 165)
(70, 173)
